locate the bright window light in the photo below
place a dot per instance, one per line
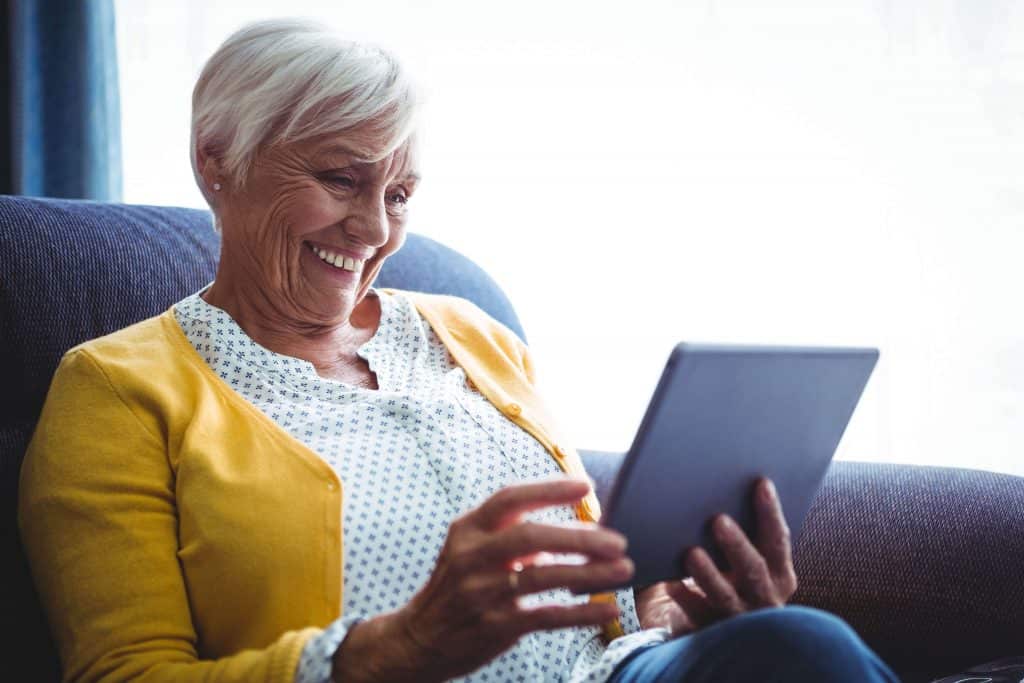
(841, 172)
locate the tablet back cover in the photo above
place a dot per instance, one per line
(720, 418)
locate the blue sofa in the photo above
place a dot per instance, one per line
(927, 564)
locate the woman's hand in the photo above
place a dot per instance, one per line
(761, 573)
(468, 612)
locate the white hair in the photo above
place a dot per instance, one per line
(286, 80)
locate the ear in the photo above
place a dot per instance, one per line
(209, 167)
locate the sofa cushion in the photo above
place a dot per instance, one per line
(925, 562)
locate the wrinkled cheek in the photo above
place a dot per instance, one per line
(280, 221)
(281, 237)
(295, 207)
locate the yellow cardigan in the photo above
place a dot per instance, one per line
(176, 533)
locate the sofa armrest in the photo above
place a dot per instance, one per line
(926, 563)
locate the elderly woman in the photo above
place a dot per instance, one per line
(293, 476)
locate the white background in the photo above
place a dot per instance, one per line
(635, 173)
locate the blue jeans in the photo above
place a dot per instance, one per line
(781, 645)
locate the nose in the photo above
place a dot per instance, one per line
(368, 223)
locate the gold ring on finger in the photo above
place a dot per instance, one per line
(513, 576)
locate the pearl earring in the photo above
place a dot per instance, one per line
(216, 187)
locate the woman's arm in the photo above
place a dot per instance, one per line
(98, 518)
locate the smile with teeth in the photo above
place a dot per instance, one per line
(338, 260)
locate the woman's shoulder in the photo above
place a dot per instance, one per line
(143, 346)
(146, 332)
(145, 364)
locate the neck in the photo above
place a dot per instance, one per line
(328, 345)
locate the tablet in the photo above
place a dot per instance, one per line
(721, 417)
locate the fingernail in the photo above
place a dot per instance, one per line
(725, 524)
(769, 493)
(624, 568)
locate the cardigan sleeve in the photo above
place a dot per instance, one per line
(98, 519)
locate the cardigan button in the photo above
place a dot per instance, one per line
(330, 486)
(513, 409)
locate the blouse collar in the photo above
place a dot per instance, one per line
(215, 333)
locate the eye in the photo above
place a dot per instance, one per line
(397, 202)
(339, 181)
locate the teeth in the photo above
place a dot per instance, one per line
(338, 260)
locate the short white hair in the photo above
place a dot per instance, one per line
(287, 80)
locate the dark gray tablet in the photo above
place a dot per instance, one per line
(720, 418)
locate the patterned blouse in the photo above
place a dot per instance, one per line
(420, 450)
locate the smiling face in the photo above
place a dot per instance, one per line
(311, 228)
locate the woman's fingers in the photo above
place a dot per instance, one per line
(694, 602)
(529, 538)
(719, 591)
(773, 538)
(749, 570)
(760, 575)
(516, 621)
(578, 578)
(508, 504)
(552, 616)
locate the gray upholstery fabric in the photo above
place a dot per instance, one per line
(926, 563)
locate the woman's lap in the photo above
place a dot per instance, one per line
(790, 644)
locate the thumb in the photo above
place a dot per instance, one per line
(693, 601)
